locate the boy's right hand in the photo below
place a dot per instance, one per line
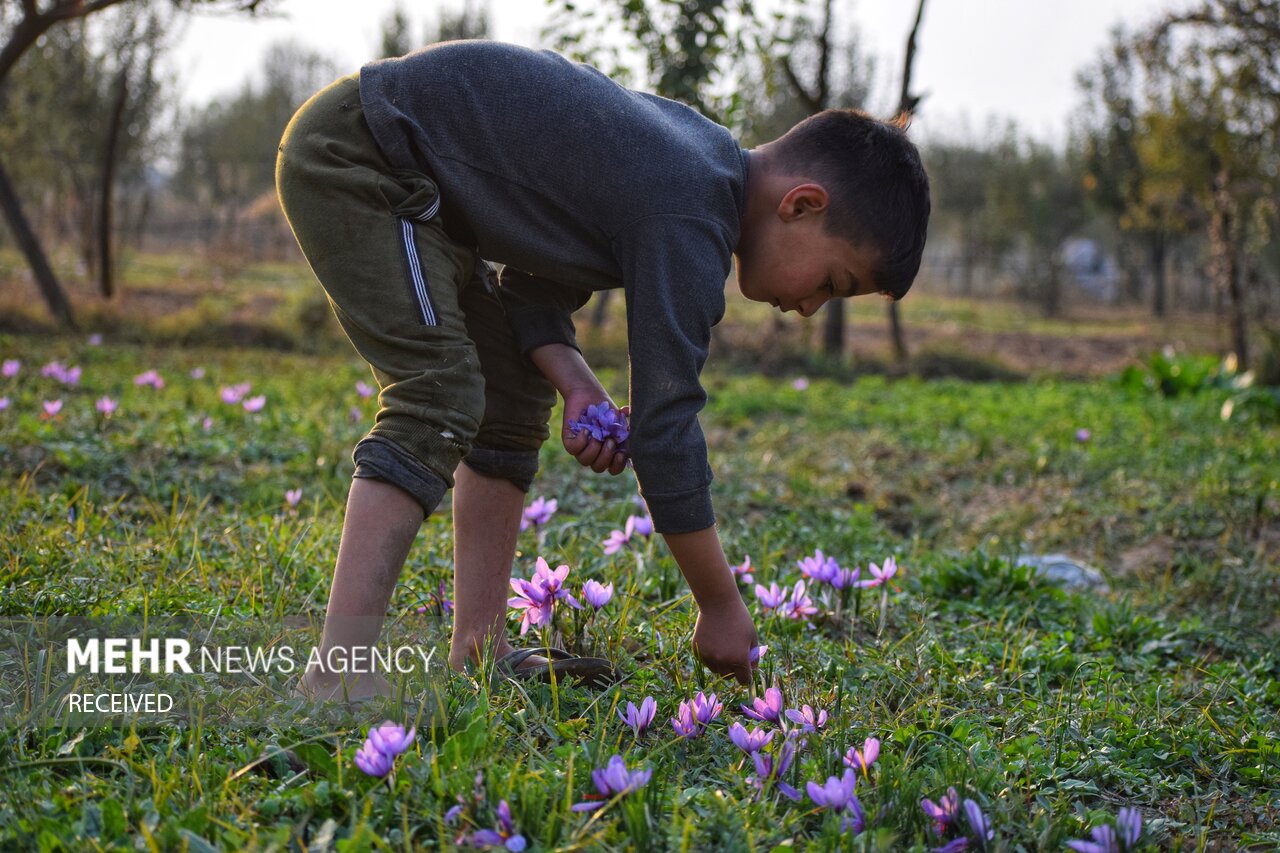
(596, 455)
(724, 637)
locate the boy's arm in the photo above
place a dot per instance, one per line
(725, 633)
(567, 370)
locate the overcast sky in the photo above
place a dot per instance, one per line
(976, 59)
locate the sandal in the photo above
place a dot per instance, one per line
(595, 672)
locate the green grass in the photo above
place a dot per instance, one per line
(1051, 709)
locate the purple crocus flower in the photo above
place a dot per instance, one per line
(616, 541)
(807, 718)
(639, 525)
(685, 723)
(836, 793)
(706, 708)
(233, 394)
(504, 835)
(149, 377)
(372, 761)
(70, 376)
(552, 582)
(53, 368)
(51, 407)
(1106, 839)
(538, 513)
(596, 593)
(364, 389)
(862, 759)
(756, 653)
(774, 766)
(255, 404)
(4, 403)
(819, 567)
(106, 406)
(799, 605)
(749, 740)
(391, 739)
(955, 846)
(536, 603)
(292, 496)
(613, 780)
(452, 815)
(846, 578)
(743, 572)
(603, 422)
(639, 719)
(880, 575)
(943, 813)
(768, 709)
(1083, 435)
(197, 373)
(10, 368)
(979, 826)
(771, 597)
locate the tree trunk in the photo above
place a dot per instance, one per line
(1225, 264)
(1159, 277)
(27, 241)
(106, 265)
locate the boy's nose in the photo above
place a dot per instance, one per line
(810, 306)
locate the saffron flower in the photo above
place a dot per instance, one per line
(861, 760)
(4, 403)
(373, 762)
(504, 835)
(614, 780)
(95, 340)
(364, 389)
(70, 376)
(756, 653)
(1121, 839)
(807, 718)
(552, 582)
(106, 406)
(255, 404)
(233, 394)
(639, 719)
(771, 597)
(538, 513)
(53, 368)
(150, 377)
(749, 740)
(684, 723)
(596, 593)
(391, 739)
(1083, 435)
(955, 846)
(197, 373)
(206, 424)
(452, 815)
(603, 422)
(774, 767)
(292, 496)
(51, 407)
(845, 578)
(799, 605)
(615, 542)
(744, 571)
(800, 384)
(10, 368)
(943, 813)
(836, 793)
(880, 575)
(355, 414)
(979, 826)
(534, 601)
(640, 525)
(706, 708)
(637, 525)
(819, 567)
(768, 709)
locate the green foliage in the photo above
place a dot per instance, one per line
(1047, 707)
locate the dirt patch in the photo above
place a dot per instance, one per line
(1155, 553)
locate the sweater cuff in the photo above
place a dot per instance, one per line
(687, 512)
(537, 327)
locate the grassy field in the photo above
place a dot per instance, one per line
(1049, 709)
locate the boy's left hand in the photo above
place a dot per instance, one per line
(596, 455)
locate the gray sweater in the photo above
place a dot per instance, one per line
(578, 184)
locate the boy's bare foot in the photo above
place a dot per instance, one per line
(321, 688)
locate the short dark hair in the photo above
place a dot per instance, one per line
(878, 189)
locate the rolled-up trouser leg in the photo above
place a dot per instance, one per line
(518, 398)
(373, 237)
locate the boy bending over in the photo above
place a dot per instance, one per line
(398, 180)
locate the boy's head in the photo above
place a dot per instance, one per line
(839, 206)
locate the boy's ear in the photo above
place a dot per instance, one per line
(803, 200)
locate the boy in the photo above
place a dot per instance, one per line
(398, 180)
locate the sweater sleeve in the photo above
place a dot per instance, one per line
(540, 310)
(674, 268)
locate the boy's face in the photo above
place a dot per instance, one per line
(793, 265)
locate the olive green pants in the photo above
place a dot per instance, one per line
(420, 308)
